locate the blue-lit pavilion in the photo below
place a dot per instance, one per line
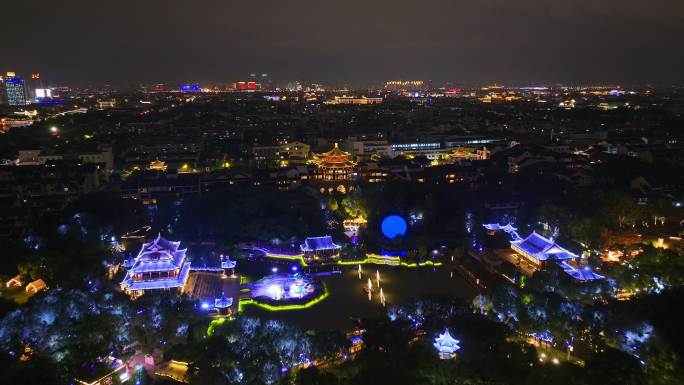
(538, 250)
(160, 264)
(320, 249)
(228, 265)
(446, 345)
(581, 273)
(223, 304)
(508, 229)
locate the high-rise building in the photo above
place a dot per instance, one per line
(246, 86)
(294, 86)
(265, 82)
(35, 87)
(15, 90)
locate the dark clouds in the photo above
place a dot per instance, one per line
(521, 41)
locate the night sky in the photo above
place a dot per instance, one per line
(345, 41)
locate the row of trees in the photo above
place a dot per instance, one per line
(491, 353)
(625, 330)
(69, 331)
(605, 220)
(255, 351)
(72, 247)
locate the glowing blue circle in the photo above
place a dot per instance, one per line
(393, 226)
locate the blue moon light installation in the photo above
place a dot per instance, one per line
(393, 226)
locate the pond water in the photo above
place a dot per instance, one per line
(347, 299)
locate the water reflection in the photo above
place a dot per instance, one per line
(349, 295)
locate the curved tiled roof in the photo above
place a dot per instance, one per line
(318, 243)
(542, 248)
(335, 158)
(223, 302)
(445, 343)
(581, 273)
(159, 255)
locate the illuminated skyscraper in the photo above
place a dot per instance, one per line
(35, 87)
(15, 90)
(265, 82)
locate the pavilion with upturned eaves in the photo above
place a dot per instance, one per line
(320, 249)
(334, 165)
(223, 304)
(538, 250)
(446, 345)
(160, 265)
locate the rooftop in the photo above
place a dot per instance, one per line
(445, 343)
(335, 158)
(318, 243)
(160, 283)
(158, 256)
(581, 273)
(542, 248)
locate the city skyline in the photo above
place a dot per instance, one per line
(302, 192)
(353, 43)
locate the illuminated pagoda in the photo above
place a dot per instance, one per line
(160, 264)
(334, 165)
(157, 165)
(446, 345)
(320, 249)
(227, 265)
(538, 250)
(223, 304)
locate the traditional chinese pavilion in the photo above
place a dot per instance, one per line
(223, 304)
(157, 165)
(334, 165)
(160, 264)
(228, 265)
(446, 345)
(539, 250)
(320, 249)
